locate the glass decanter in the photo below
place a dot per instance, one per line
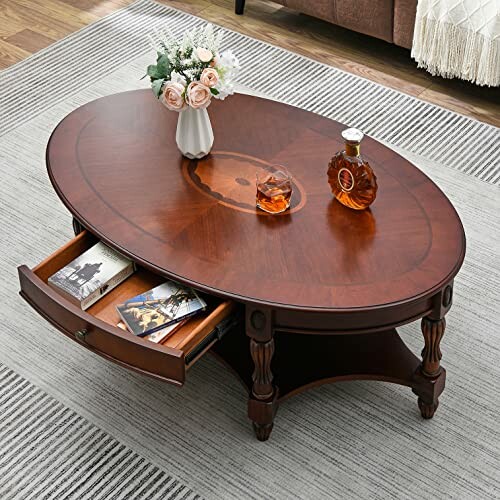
(351, 178)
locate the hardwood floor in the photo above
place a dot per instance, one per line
(27, 26)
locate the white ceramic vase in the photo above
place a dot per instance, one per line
(194, 136)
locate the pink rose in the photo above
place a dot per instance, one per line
(172, 96)
(209, 77)
(198, 95)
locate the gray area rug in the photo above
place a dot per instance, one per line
(350, 440)
(49, 451)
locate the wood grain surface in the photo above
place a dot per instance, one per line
(115, 165)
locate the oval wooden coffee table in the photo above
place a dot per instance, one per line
(322, 286)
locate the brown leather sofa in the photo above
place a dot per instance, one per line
(390, 20)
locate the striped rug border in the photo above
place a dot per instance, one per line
(49, 451)
(386, 114)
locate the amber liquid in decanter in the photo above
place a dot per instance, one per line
(351, 178)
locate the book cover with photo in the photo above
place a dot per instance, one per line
(160, 307)
(91, 275)
(160, 335)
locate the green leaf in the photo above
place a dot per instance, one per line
(153, 72)
(156, 86)
(163, 66)
(214, 91)
(161, 69)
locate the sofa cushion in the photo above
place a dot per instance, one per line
(404, 22)
(324, 9)
(372, 17)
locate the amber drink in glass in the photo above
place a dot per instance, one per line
(351, 178)
(274, 190)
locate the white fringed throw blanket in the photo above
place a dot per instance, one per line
(459, 38)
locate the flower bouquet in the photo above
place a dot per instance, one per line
(187, 75)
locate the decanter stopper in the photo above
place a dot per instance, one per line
(352, 138)
(352, 135)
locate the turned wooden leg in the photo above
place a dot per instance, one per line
(263, 401)
(429, 378)
(239, 6)
(432, 374)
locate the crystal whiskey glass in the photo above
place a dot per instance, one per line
(274, 190)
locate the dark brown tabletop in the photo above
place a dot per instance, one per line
(115, 165)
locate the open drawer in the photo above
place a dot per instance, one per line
(96, 327)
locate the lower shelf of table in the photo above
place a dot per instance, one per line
(302, 361)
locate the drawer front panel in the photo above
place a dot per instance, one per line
(135, 353)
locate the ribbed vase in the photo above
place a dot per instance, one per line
(194, 136)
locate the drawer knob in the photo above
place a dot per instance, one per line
(81, 334)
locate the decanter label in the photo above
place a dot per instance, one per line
(346, 179)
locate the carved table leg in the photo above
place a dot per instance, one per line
(430, 376)
(433, 331)
(262, 389)
(263, 401)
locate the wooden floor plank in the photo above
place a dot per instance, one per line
(10, 54)
(29, 40)
(36, 19)
(361, 55)
(11, 20)
(191, 6)
(98, 8)
(58, 12)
